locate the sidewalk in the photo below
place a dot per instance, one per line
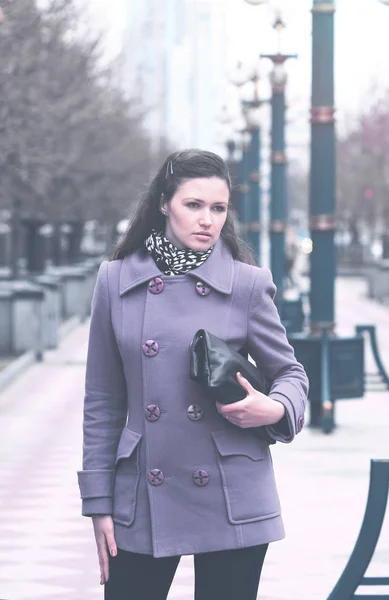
(48, 551)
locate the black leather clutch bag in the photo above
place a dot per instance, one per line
(214, 366)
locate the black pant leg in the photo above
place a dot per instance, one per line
(139, 576)
(229, 574)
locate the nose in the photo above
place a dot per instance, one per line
(205, 218)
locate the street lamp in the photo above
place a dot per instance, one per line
(291, 311)
(332, 362)
(250, 172)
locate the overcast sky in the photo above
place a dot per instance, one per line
(362, 42)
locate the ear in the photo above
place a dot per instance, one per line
(163, 205)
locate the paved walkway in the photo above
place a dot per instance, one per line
(47, 550)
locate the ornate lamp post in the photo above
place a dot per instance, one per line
(334, 364)
(243, 211)
(227, 134)
(254, 174)
(251, 155)
(322, 189)
(278, 205)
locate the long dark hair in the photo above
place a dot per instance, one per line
(177, 168)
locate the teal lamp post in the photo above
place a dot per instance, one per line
(278, 203)
(243, 188)
(322, 188)
(335, 365)
(253, 164)
(251, 161)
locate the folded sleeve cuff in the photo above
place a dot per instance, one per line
(96, 506)
(96, 484)
(285, 430)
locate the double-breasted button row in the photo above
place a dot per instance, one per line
(157, 285)
(199, 477)
(153, 412)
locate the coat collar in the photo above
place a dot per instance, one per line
(217, 270)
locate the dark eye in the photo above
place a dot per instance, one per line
(220, 208)
(193, 204)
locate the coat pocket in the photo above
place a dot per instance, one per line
(247, 476)
(126, 477)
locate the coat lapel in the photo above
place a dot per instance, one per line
(217, 271)
(136, 269)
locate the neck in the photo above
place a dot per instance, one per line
(173, 240)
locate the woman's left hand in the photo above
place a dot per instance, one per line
(254, 410)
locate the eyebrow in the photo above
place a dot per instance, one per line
(202, 201)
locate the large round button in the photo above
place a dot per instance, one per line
(156, 285)
(200, 477)
(156, 477)
(150, 348)
(202, 289)
(152, 412)
(195, 413)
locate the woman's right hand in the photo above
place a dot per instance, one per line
(105, 541)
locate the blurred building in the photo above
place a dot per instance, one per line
(175, 58)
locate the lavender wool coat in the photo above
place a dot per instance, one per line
(176, 476)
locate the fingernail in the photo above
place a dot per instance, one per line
(113, 552)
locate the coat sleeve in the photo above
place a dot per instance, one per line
(105, 405)
(274, 356)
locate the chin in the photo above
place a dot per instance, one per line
(201, 246)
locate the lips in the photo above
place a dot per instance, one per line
(203, 234)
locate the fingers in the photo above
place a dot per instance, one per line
(111, 543)
(106, 545)
(102, 550)
(245, 383)
(230, 409)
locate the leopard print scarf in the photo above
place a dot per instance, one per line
(170, 259)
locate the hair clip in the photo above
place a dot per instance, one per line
(169, 168)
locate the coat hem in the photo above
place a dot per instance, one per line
(246, 538)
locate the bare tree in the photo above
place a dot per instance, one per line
(363, 174)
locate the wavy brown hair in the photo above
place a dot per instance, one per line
(176, 169)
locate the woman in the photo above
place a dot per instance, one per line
(165, 471)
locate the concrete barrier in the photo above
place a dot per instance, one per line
(51, 285)
(23, 301)
(6, 299)
(378, 280)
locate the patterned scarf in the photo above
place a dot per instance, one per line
(170, 259)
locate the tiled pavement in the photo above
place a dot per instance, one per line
(47, 550)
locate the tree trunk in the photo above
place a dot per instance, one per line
(35, 249)
(15, 240)
(385, 245)
(74, 241)
(56, 247)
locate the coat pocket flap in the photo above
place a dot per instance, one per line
(128, 442)
(238, 441)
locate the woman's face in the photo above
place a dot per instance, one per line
(196, 213)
